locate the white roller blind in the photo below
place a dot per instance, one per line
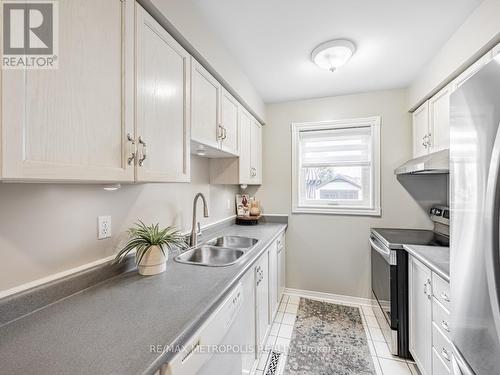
(335, 147)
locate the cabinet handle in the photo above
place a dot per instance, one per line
(445, 325)
(253, 172)
(143, 151)
(426, 289)
(445, 354)
(429, 140)
(131, 157)
(444, 297)
(224, 133)
(425, 141)
(220, 132)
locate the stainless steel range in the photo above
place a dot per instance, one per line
(390, 274)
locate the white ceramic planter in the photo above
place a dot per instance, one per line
(153, 262)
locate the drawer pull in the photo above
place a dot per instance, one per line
(445, 325)
(444, 297)
(445, 354)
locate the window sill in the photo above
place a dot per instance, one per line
(337, 211)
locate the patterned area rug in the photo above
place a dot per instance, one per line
(328, 339)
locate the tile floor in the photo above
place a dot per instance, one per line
(281, 333)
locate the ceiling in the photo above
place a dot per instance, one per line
(273, 40)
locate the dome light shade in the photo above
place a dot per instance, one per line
(333, 54)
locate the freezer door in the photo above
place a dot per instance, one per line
(474, 142)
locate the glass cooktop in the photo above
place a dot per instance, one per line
(395, 238)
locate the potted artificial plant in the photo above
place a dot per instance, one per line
(151, 246)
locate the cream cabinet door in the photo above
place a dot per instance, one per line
(229, 123)
(256, 153)
(421, 130)
(205, 101)
(439, 120)
(163, 82)
(273, 279)
(281, 266)
(420, 308)
(262, 299)
(245, 147)
(70, 124)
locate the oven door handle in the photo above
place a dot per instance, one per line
(379, 248)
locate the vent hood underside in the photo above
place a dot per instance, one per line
(435, 163)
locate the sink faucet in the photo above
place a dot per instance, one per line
(193, 239)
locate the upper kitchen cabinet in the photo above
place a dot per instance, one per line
(245, 160)
(255, 153)
(214, 115)
(229, 123)
(247, 169)
(439, 120)
(431, 124)
(420, 130)
(205, 103)
(70, 124)
(163, 115)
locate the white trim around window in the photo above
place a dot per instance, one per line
(364, 133)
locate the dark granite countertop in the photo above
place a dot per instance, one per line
(109, 328)
(437, 258)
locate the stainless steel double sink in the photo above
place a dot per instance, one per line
(218, 252)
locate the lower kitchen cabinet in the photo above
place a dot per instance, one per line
(429, 301)
(262, 320)
(247, 321)
(273, 280)
(281, 266)
(420, 306)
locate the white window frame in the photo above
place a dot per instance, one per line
(374, 123)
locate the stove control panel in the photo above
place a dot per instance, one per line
(440, 214)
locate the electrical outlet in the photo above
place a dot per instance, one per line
(103, 227)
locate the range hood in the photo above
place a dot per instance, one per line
(435, 163)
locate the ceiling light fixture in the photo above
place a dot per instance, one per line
(333, 54)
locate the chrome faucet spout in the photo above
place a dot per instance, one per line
(193, 240)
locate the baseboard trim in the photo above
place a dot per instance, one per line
(338, 298)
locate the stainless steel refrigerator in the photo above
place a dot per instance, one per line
(475, 210)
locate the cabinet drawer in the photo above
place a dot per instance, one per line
(441, 317)
(438, 365)
(441, 344)
(441, 290)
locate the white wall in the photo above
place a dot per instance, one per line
(481, 28)
(46, 229)
(187, 19)
(330, 253)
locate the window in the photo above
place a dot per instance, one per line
(336, 167)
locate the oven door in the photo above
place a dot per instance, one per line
(384, 284)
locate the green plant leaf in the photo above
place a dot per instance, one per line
(142, 237)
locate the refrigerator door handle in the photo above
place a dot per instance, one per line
(492, 248)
